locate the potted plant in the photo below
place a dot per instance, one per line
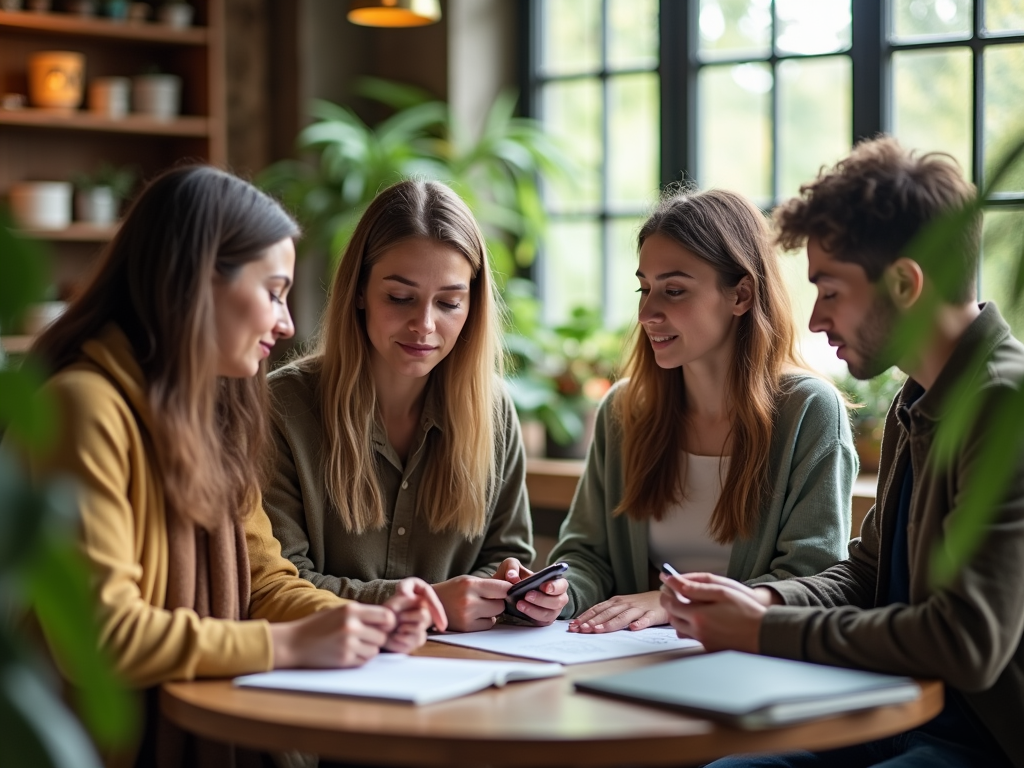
(871, 399)
(41, 568)
(348, 161)
(98, 195)
(558, 375)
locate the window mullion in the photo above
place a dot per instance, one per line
(870, 113)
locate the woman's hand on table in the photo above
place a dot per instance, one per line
(634, 612)
(345, 636)
(542, 605)
(417, 608)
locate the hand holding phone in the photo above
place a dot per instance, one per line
(518, 591)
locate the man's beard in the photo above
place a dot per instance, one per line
(872, 339)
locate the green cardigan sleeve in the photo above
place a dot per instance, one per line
(583, 540)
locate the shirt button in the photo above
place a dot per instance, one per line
(401, 531)
(405, 484)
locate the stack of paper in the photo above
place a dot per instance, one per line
(556, 643)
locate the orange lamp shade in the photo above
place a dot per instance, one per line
(394, 13)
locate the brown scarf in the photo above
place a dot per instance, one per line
(208, 572)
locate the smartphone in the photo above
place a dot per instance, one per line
(518, 591)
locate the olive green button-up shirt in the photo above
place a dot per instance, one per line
(367, 566)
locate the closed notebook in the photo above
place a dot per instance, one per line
(407, 679)
(754, 691)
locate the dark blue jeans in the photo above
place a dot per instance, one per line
(913, 749)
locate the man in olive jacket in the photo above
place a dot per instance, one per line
(878, 610)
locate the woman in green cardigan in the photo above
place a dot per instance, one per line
(718, 451)
(398, 449)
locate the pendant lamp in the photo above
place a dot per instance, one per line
(394, 13)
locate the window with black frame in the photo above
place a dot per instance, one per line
(755, 96)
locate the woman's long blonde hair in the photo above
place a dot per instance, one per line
(461, 459)
(731, 235)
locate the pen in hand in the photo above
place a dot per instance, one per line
(668, 570)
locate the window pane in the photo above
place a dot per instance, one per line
(815, 122)
(1002, 250)
(813, 26)
(932, 101)
(930, 18)
(814, 347)
(1004, 16)
(570, 36)
(633, 134)
(572, 113)
(734, 131)
(632, 34)
(735, 28)
(622, 266)
(572, 268)
(1004, 93)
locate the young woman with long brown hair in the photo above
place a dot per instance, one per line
(158, 371)
(717, 452)
(399, 452)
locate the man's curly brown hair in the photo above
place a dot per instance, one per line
(869, 206)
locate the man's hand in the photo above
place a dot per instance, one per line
(346, 636)
(720, 613)
(417, 608)
(542, 605)
(633, 611)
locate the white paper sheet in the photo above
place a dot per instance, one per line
(556, 643)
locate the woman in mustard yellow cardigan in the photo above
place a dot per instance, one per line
(159, 374)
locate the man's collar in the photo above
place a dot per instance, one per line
(969, 355)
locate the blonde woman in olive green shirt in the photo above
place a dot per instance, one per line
(398, 450)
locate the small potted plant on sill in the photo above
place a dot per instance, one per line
(98, 195)
(871, 399)
(558, 375)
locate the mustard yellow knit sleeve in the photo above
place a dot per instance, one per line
(124, 538)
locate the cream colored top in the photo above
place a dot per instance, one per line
(681, 536)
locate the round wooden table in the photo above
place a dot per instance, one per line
(536, 723)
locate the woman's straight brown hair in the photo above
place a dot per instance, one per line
(461, 463)
(155, 281)
(731, 235)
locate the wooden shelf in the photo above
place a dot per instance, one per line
(81, 120)
(16, 345)
(67, 24)
(78, 232)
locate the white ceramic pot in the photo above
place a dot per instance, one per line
(39, 316)
(55, 79)
(177, 15)
(108, 96)
(41, 204)
(96, 206)
(157, 96)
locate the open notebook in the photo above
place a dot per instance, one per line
(407, 679)
(754, 691)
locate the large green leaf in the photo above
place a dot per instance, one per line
(58, 588)
(36, 729)
(24, 272)
(26, 410)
